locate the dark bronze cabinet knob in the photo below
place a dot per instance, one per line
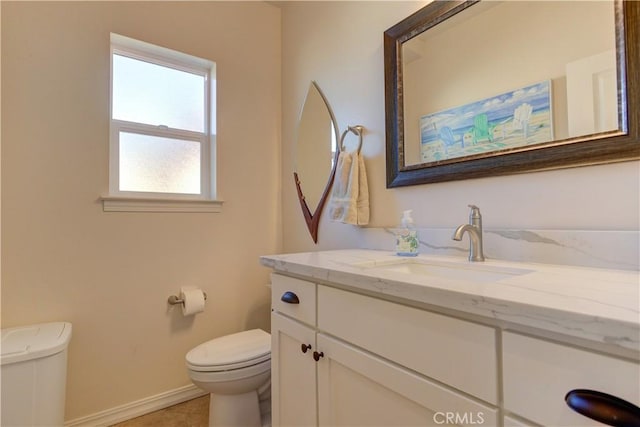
(305, 347)
(317, 356)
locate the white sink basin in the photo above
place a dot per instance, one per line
(463, 271)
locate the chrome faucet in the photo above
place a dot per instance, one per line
(474, 229)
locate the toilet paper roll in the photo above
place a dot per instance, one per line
(193, 300)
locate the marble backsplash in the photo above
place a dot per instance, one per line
(599, 249)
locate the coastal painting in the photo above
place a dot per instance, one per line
(513, 119)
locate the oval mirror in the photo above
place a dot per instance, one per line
(485, 88)
(315, 153)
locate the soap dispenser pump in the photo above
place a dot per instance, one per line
(407, 236)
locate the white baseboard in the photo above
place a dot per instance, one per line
(138, 408)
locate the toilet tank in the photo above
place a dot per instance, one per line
(34, 374)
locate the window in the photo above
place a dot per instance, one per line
(162, 135)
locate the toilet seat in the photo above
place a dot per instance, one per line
(231, 352)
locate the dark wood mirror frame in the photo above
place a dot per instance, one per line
(608, 147)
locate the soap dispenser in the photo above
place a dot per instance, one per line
(407, 236)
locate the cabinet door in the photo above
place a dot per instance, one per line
(510, 421)
(293, 373)
(537, 375)
(356, 388)
(455, 352)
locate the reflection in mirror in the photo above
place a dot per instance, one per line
(315, 156)
(496, 87)
(553, 77)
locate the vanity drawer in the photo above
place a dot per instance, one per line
(538, 374)
(458, 353)
(305, 293)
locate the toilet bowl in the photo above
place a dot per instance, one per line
(236, 371)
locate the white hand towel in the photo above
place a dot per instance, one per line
(349, 201)
(363, 193)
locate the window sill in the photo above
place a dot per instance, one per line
(139, 204)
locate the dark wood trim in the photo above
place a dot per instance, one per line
(313, 218)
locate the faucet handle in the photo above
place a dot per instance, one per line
(474, 215)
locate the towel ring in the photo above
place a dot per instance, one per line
(357, 130)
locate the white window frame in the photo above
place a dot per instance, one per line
(205, 201)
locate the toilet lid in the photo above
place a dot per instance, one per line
(231, 351)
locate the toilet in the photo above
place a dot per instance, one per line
(236, 371)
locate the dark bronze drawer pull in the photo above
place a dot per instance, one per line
(604, 408)
(290, 298)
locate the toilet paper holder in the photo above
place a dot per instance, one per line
(173, 299)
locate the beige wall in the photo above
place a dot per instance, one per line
(110, 274)
(339, 44)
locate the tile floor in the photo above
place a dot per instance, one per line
(193, 413)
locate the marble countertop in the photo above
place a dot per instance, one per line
(589, 303)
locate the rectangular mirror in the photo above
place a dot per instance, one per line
(491, 88)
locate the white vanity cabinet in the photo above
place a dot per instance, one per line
(374, 362)
(398, 347)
